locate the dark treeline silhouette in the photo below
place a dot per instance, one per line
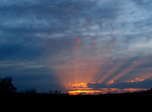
(7, 88)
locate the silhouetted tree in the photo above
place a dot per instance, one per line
(6, 85)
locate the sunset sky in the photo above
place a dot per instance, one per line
(71, 44)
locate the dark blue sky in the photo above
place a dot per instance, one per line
(46, 44)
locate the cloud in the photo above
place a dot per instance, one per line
(17, 2)
(16, 51)
(122, 85)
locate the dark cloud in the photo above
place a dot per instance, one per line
(17, 51)
(122, 85)
(143, 3)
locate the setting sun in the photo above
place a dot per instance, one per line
(84, 92)
(81, 88)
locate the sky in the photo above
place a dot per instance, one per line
(57, 44)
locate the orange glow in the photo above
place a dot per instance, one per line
(80, 85)
(133, 89)
(103, 91)
(81, 88)
(137, 80)
(77, 92)
(77, 86)
(79, 66)
(110, 82)
(78, 71)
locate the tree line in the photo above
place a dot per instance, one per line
(7, 87)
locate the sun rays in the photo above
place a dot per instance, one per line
(91, 64)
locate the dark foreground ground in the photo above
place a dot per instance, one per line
(66, 102)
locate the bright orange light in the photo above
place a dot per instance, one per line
(77, 92)
(80, 85)
(90, 91)
(81, 88)
(77, 86)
